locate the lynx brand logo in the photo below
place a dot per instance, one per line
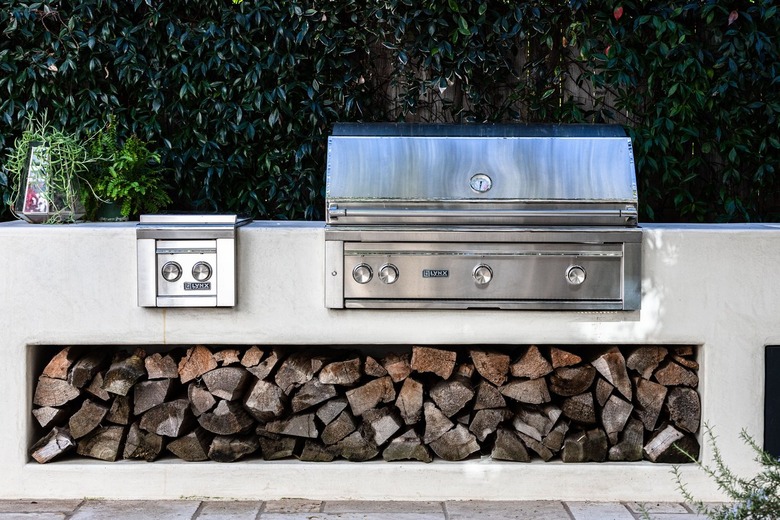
(197, 286)
(436, 273)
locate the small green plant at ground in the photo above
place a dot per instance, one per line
(749, 498)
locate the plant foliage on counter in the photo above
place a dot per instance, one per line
(238, 98)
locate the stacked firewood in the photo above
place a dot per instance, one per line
(575, 404)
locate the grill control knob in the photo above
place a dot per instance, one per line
(575, 275)
(388, 273)
(362, 273)
(171, 271)
(482, 274)
(201, 271)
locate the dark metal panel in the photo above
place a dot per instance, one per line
(772, 401)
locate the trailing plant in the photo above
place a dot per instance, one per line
(756, 498)
(66, 163)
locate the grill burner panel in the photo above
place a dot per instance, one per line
(481, 216)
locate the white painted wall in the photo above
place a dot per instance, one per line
(713, 286)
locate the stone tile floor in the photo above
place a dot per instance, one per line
(296, 509)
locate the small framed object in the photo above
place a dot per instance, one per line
(32, 203)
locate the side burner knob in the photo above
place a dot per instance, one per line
(482, 274)
(575, 275)
(388, 273)
(362, 273)
(171, 271)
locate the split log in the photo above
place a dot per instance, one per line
(87, 418)
(50, 416)
(569, 381)
(456, 444)
(119, 413)
(683, 350)
(684, 408)
(380, 424)
(331, 409)
(366, 397)
(295, 425)
(265, 401)
(440, 362)
(85, 369)
(227, 357)
(488, 396)
(227, 418)
(373, 368)
(508, 446)
(96, 388)
(201, 400)
(491, 365)
(148, 394)
(452, 394)
(345, 373)
(407, 446)
(192, 447)
(312, 393)
(536, 423)
(563, 358)
(466, 370)
(278, 448)
(650, 398)
(397, 366)
(632, 439)
(580, 408)
(55, 443)
(436, 423)
(314, 451)
(554, 440)
(231, 448)
(123, 373)
(54, 392)
(687, 363)
(356, 448)
(263, 369)
(226, 382)
(485, 422)
(161, 367)
(612, 366)
(197, 361)
(339, 428)
(296, 370)
(252, 357)
(103, 443)
(603, 391)
(410, 401)
(536, 446)
(590, 446)
(646, 359)
(670, 445)
(532, 391)
(672, 374)
(142, 445)
(168, 419)
(532, 364)
(614, 416)
(60, 363)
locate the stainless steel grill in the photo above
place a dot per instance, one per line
(481, 216)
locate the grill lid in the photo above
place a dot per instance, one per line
(385, 174)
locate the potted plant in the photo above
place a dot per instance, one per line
(129, 181)
(47, 166)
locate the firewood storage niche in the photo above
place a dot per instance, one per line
(572, 403)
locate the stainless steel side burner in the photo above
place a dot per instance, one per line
(187, 260)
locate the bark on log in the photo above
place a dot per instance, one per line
(265, 401)
(230, 448)
(452, 395)
(410, 401)
(344, 373)
(630, 446)
(612, 366)
(569, 381)
(161, 367)
(314, 451)
(227, 418)
(87, 418)
(456, 444)
(646, 359)
(440, 362)
(508, 446)
(123, 374)
(532, 364)
(226, 383)
(670, 445)
(407, 446)
(53, 444)
(554, 440)
(197, 361)
(168, 419)
(493, 366)
(590, 446)
(85, 369)
(192, 447)
(532, 391)
(148, 394)
(366, 397)
(279, 448)
(356, 448)
(54, 392)
(142, 445)
(103, 443)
